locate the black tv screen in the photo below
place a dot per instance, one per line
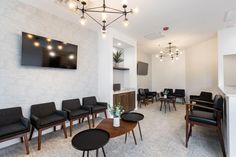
(46, 52)
(142, 68)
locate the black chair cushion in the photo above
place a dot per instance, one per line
(206, 96)
(10, 115)
(43, 110)
(78, 113)
(179, 93)
(12, 130)
(202, 117)
(50, 120)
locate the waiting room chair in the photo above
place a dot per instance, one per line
(206, 119)
(94, 107)
(75, 111)
(44, 116)
(180, 93)
(14, 125)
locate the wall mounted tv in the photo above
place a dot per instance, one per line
(46, 52)
(142, 68)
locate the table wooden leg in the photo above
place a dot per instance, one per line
(125, 138)
(161, 105)
(87, 153)
(140, 132)
(97, 153)
(165, 106)
(134, 137)
(83, 153)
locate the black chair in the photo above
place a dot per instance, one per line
(180, 93)
(169, 91)
(142, 97)
(44, 116)
(151, 94)
(94, 107)
(14, 125)
(75, 111)
(207, 119)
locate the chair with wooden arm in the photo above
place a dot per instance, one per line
(206, 119)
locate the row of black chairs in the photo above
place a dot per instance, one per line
(144, 96)
(43, 116)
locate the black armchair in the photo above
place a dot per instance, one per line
(94, 107)
(207, 119)
(151, 94)
(14, 125)
(75, 111)
(180, 93)
(142, 97)
(44, 116)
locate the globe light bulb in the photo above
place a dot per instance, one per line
(126, 22)
(83, 20)
(49, 47)
(72, 4)
(104, 16)
(157, 56)
(124, 2)
(135, 10)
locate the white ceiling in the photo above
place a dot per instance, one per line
(190, 21)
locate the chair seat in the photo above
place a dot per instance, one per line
(97, 108)
(78, 112)
(51, 119)
(202, 117)
(12, 130)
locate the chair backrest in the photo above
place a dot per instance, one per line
(206, 96)
(10, 115)
(89, 101)
(141, 92)
(170, 91)
(218, 102)
(146, 91)
(43, 110)
(71, 104)
(180, 91)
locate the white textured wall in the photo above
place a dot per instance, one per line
(145, 81)
(230, 70)
(167, 74)
(201, 67)
(24, 85)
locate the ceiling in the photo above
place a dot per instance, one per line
(190, 21)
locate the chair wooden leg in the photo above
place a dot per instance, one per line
(71, 127)
(82, 119)
(39, 138)
(221, 140)
(105, 114)
(64, 129)
(54, 128)
(89, 122)
(125, 138)
(97, 153)
(26, 143)
(31, 133)
(93, 120)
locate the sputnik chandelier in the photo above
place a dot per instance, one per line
(171, 52)
(104, 10)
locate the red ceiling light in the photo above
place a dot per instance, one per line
(165, 28)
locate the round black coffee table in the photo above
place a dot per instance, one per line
(133, 117)
(91, 139)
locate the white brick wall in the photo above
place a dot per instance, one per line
(24, 85)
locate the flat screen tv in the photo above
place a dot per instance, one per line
(142, 68)
(45, 52)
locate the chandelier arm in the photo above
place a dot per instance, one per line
(98, 11)
(94, 8)
(114, 20)
(94, 19)
(115, 9)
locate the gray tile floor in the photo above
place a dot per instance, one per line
(164, 136)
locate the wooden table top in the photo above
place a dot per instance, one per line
(125, 127)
